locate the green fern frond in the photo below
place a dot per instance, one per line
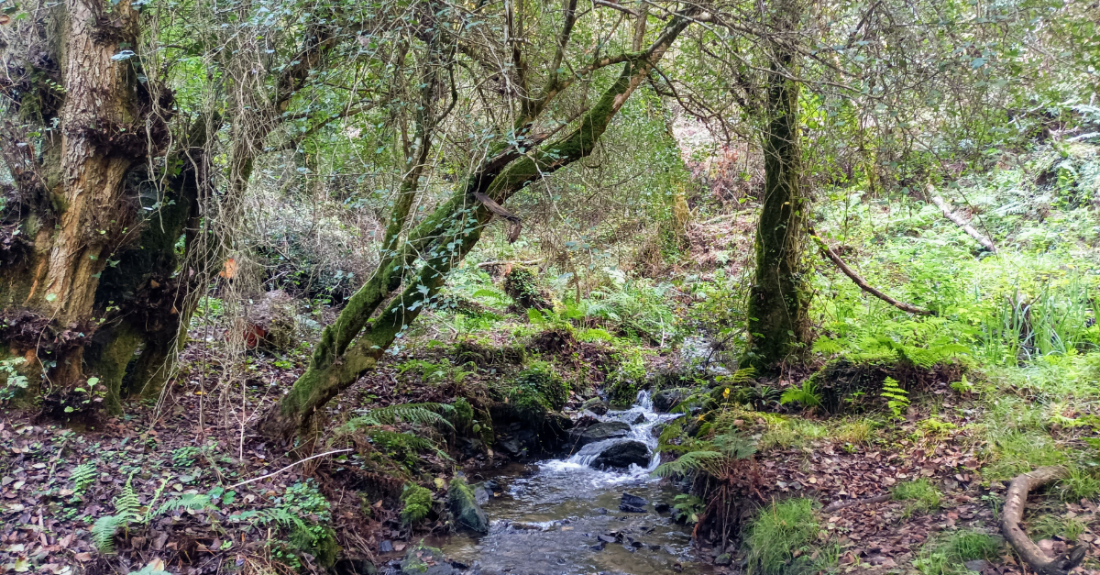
(104, 530)
(127, 505)
(188, 501)
(691, 462)
(83, 476)
(735, 445)
(415, 413)
(396, 441)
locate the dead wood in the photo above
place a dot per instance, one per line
(959, 221)
(842, 504)
(1015, 502)
(859, 281)
(497, 263)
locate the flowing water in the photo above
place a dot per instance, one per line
(549, 517)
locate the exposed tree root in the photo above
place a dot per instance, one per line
(1015, 502)
(859, 281)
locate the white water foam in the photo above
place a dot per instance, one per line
(579, 463)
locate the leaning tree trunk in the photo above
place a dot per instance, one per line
(354, 343)
(779, 299)
(71, 221)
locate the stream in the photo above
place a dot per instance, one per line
(562, 517)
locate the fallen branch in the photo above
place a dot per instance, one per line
(262, 477)
(495, 263)
(1015, 501)
(859, 281)
(838, 505)
(957, 219)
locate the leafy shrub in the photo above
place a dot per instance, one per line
(807, 395)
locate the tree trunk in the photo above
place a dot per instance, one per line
(442, 240)
(68, 291)
(779, 299)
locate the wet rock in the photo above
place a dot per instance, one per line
(606, 538)
(511, 447)
(723, 559)
(599, 546)
(598, 432)
(665, 400)
(595, 405)
(623, 455)
(632, 503)
(640, 419)
(661, 507)
(481, 494)
(601, 511)
(423, 560)
(493, 486)
(464, 506)
(385, 547)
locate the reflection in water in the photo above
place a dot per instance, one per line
(561, 517)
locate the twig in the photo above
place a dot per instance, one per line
(246, 482)
(494, 263)
(618, 7)
(958, 221)
(838, 505)
(859, 281)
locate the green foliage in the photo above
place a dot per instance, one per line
(945, 555)
(411, 413)
(698, 456)
(130, 513)
(83, 476)
(920, 496)
(438, 373)
(416, 503)
(778, 532)
(1079, 484)
(1019, 452)
(687, 507)
(637, 309)
(897, 399)
(463, 416)
(807, 395)
(13, 381)
(538, 389)
(1049, 526)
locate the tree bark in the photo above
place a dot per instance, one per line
(443, 239)
(779, 299)
(1015, 502)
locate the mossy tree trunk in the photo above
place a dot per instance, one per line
(355, 342)
(88, 240)
(779, 299)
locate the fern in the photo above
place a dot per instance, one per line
(707, 457)
(807, 395)
(104, 530)
(415, 413)
(397, 441)
(689, 463)
(82, 477)
(897, 399)
(188, 501)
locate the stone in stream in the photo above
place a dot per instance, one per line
(623, 455)
(640, 419)
(723, 559)
(464, 507)
(665, 400)
(595, 405)
(632, 503)
(661, 507)
(598, 432)
(423, 560)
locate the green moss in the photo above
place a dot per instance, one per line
(538, 389)
(464, 506)
(463, 417)
(417, 502)
(521, 285)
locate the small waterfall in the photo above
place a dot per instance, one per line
(642, 419)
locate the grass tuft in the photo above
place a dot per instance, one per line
(920, 496)
(780, 530)
(946, 555)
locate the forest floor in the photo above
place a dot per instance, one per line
(186, 485)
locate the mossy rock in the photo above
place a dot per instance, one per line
(319, 541)
(417, 502)
(464, 507)
(622, 392)
(463, 416)
(521, 284)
